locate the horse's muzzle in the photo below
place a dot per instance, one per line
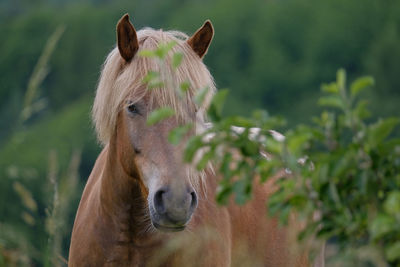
(171, 211)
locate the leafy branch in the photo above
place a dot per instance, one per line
(343, 173)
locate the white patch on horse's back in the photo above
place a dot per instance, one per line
(254, 133)
(277, 135)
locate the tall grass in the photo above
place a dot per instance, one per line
(16, 249)
(32, 102)
(64, 189)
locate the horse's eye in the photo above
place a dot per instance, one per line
(133, 109)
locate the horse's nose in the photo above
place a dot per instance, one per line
(175, 207)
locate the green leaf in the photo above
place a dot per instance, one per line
(393, 251)
(159, 115)
(267, 168)
(284, 215)
(380, 130)
(360, 111)
(177, 60)
(344, 164)
(298, 201)
(223, 192)
(276, 202)
(184, 86)
(194, 144)
(176, 134)
(249, 148)
(147, 53)
(341, 80)
(360, 84)
(200, 96)
(152, 79)
(331, 101)
(391, 146)
(163, 49)
(155, 84)
(334, 194)
(168, 46)
(242, 189)
(151, 76)
(330, 88)
(392, 203)
(296, 141)
(217, 103)
(205, 159)
(219, 99)
(225, 168)
(381, 225)
(240, 121)
(274, 146)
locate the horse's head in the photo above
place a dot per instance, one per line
(123, 104)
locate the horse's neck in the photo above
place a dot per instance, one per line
(122, 197)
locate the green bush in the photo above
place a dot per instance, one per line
(343, 172)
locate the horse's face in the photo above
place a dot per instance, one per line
(145, 152)
(171, 197)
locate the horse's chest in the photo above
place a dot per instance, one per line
(126, 256)
(130, 253)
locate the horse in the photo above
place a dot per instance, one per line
(142, 206)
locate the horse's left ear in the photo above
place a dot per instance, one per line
(200, 41)
(127, 40)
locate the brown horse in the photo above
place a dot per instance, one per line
(142, 206)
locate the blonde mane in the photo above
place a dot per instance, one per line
(121, 81)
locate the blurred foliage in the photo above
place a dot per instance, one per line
(350, 175)
(271, 54)
(25, 228)
(342, 173)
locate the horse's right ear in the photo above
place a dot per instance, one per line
(127, 40)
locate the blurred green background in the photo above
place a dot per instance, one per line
(271, 54)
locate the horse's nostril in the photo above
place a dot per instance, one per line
(158, 202)
(174, 208)
(193, 204)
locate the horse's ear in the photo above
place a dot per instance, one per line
(200, 41)
(126, 38)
